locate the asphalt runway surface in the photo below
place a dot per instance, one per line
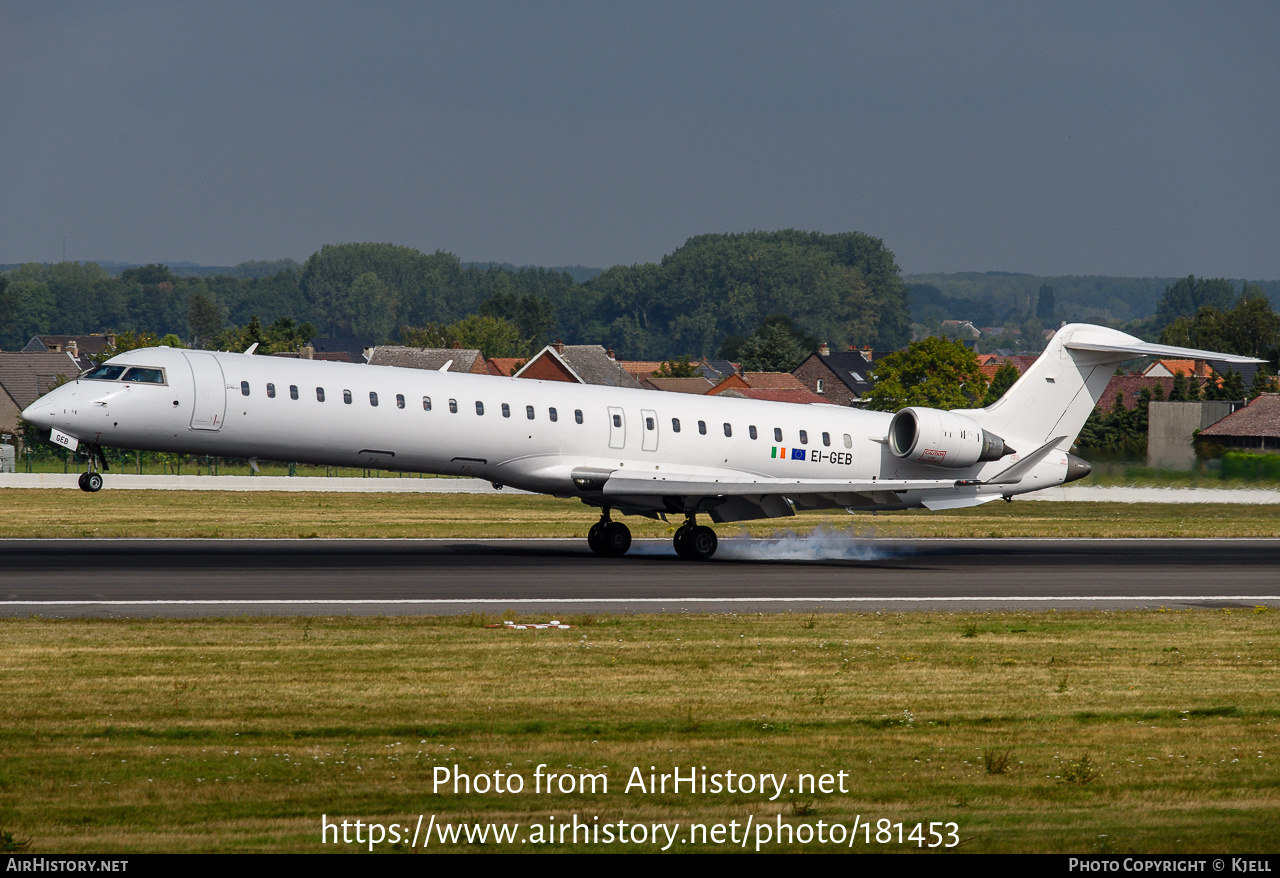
(826, 572)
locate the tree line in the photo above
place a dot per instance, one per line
(845, 288)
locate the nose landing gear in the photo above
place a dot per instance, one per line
(91, 481)
(695, 542)
(609, 538)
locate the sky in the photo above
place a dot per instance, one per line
(1121, 138)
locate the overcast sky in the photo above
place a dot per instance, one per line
(1068, 138)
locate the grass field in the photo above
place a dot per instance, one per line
(27, 513)
(1053, 732)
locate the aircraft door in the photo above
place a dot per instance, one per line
(649, 430)
(617, 428)
(211, 391)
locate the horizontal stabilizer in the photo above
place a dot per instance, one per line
(1148, 349)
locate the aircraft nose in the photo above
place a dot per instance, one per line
(42, 411)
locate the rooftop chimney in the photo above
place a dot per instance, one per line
(558, 345)
(824, 349)
(456, 345)
(612, 356)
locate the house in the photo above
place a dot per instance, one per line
(342, 350)
(698, 385)
(1169, 368)
(960, 329)
(640, 369)
(990, 364)
(431, 359)
(85, 349)
(838, 377)
(1256, 427)
(25, 377)
(1128, 387)
(773, 386)
(717, 370)
(578, 364)
(506, 366)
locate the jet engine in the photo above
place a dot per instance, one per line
(939, 438)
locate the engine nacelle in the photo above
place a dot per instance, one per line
(939, 438)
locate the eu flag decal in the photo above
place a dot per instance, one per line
(797, 454)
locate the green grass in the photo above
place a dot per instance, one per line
(1053, 732)
(27, 513)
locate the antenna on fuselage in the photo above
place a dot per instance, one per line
(253, 347)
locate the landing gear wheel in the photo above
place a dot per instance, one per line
(701, 543)
(83, 476)
(615, 539)
(593, 538)
(681, 541)
(91, 482)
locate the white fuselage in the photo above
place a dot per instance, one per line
(524, 433)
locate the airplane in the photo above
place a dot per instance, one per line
(634, 452)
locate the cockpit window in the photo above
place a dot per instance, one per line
(143, 375)
(104, 373)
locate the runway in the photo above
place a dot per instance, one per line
(113, 578)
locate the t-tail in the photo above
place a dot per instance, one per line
(1054, 397)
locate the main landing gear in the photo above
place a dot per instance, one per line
(91, 481)
(609, 538)
(695, 542)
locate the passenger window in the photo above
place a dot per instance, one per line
(777, 434)
(728, 431)
(675, 425)
(826, 439)
(426, 403)
(453, 406)
(479, 407)
(271, 391)
(293, 391)
(804, 438)
(399, 400)
(506, 410)
(751, 431)
(649, 424)
(551, 413)
(577, 415)
(346, 397)
(373, 398)
(528, 412)
(244, 388)
(617, 420)
(702, 427)
(319, 394)
(848, 441)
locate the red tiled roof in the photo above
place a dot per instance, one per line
(773, 381)
(1131, 386)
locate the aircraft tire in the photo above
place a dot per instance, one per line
(702, 543)
(681, 542)
(615, 537)
(93, 482)
(593, 538)
(83, 486)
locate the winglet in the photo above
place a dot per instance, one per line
(445, 367)
(249, 350)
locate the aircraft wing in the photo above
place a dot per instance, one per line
(748, 498)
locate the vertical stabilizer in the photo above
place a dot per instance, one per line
(1055, 396)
